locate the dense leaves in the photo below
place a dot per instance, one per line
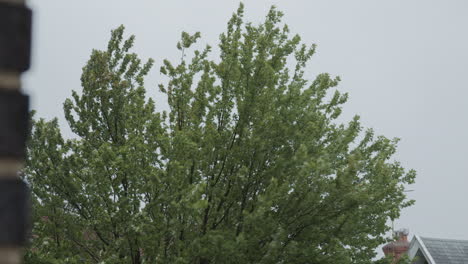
(248, 165)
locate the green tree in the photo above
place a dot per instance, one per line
(404, 259)
(248, 165)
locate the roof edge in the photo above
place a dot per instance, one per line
(426, 252)
(445, 239)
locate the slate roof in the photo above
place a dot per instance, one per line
(447, 251)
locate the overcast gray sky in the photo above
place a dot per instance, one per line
(404, 64)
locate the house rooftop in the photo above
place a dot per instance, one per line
(439, 251)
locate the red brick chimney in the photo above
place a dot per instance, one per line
(398, 247)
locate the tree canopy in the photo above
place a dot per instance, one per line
(249, 163)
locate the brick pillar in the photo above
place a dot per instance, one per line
(399, 247)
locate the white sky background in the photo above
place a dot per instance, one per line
(404, 64)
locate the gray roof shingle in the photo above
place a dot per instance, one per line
(447, 251)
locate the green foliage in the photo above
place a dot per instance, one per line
(248, 165)
(404, 259)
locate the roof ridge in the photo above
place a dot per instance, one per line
(444, 239)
